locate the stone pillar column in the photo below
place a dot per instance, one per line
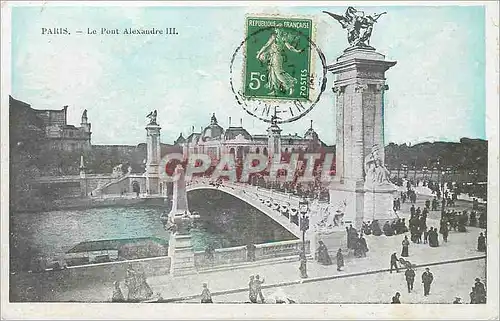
(359, 84)
(153, 159)
(274, 143)
(83, 178)
(180, 248)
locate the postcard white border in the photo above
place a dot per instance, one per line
(77, 311)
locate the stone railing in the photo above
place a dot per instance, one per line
(221, 256)
(279, 249)
(238, 254)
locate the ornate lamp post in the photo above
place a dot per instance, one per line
(304, 226)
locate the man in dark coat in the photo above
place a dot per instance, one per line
(412, 210)
(427, 279)
(352, 236)
(443, 229)
(376, 231)
(340, 260)
(387, 229)
(472, 219)
(481, 243)
(394, 262)
(410, 278)
(479, 291)
(363, 245)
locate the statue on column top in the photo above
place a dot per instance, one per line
(359, 26)
(152, 118)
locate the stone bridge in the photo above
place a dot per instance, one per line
(281, 207)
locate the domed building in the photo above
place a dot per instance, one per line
(216, 141)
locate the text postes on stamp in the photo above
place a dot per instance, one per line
(278, 58)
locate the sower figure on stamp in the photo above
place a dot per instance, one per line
(427, 279)
(272, 54)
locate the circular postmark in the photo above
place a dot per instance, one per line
(274, 74)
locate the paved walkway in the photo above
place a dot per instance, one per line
(459, 246)
(450, 280)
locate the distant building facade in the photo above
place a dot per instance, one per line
(54, 126)
(216, 141)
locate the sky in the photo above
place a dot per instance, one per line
(436, 89)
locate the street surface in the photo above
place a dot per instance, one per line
(454, 279)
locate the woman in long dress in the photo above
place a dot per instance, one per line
(273, 53)
(323, 256)
(405, 244)
(206, 296)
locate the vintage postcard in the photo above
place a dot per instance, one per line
(249, 160)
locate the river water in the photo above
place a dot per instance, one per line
(225, 221)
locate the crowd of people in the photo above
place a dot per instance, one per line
(356, 242)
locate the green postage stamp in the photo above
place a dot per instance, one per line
(278, 58)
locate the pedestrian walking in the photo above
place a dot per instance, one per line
(145, 290)
(427, 279)
(405, 243)
(394, 262)
(395, 298)
(340, 260)
(117, 293)
(426, 235)
(206, 296)
(258, 287)
(252, 294)
(481, 243)
(410, 278)
(322, 255)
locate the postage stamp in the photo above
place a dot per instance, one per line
(319, 160)
(278, 58)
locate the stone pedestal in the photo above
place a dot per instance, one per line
(180, 249)
(359, 86)
(379, 205)
(153, 159)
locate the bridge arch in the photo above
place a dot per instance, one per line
(245, 197)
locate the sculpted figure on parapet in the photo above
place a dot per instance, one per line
(375, 172)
